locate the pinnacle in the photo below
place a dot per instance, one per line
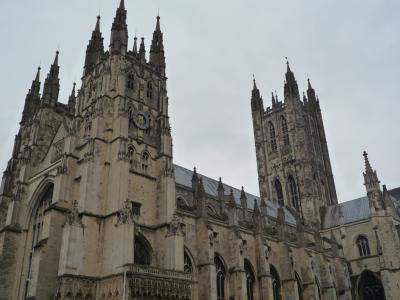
(37, 74)
(122, 4)
(97, 28)
(158, 27)
(309, 84)
(367, 163)
(56, 58)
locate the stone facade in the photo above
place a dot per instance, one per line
(93, 207)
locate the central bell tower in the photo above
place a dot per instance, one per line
(293, 162)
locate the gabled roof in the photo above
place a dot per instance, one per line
(183, 177)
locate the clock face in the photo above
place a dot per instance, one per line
(141, 119)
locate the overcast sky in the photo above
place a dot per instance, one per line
(349, 48)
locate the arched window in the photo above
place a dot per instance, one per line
(221, 274)
(250, 279)
(145, 161)
(131, 157)
(36, 228)
(363, 246)
(294, 193)
(39, 215)
(276, 283)
(142, 251)
(131, 81)
(299, 286)
(285, 131)
(279, 192)
(272, 137)
(149, 90)
(187, 263)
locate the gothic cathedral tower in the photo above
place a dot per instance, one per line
(91, 185)
(292, 154)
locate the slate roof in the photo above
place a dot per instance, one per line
(183, 177)
(354, 210)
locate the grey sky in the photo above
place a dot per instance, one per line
(349, 48)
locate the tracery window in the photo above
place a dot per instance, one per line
(276, 283)
(250, 279)
(145, 161)
(279, 192)
(39, 215)
(142, 252)
(131, 81)
(149, 90)
(36, 227)
(363, 246)
(187, 264)
(221, 274)
(285, 132)
(294, 193)
(272, 137)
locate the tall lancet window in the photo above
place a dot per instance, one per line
(276, 284)
(285, 132)
(150, 90)
(279, 192)
(131, 81)
(272, 137)
(294, 193)
(250, 279)
(221, 274)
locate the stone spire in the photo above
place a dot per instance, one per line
(72, 99)
(256, 99)
(142, 51)
(371, 180)
(95, 48)
(51, 86)
(291, 87)
(157, 55)
(119, 31)
(32, 98)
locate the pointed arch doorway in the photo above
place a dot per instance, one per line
(370, 287)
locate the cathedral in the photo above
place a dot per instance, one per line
(92, 205)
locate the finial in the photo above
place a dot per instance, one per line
(122, 4)
(287, 64)
(254, 83)
(38, 74)
(309, 83)
(56, 58)
(366, 160)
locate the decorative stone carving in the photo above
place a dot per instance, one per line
(58, 150)
(73, 217)
(176, 227)
(125, 215)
